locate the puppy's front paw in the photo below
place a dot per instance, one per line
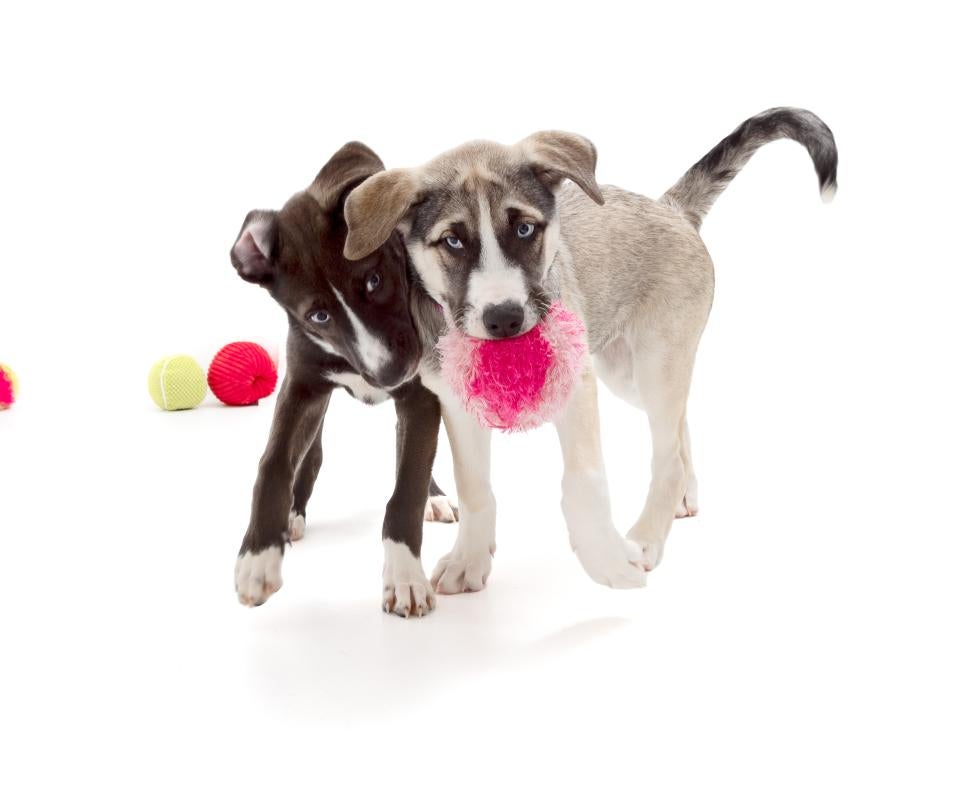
(462, 571)
(407, 599)
(406, 591)
(296, 525)
(611, 560)
(440, 509)
(257, 575)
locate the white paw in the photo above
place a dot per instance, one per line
(462, 570)
(406, 591)
(296, 525)
(652, 552)
(440, 509)
(257, 575)
(611, 560)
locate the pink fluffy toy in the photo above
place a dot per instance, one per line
(521, 382)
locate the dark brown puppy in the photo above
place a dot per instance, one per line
(350, 327)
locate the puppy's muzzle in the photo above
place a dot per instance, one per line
(405, 350)
(503, 320)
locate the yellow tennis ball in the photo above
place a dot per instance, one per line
(177, 383)
(9, 387)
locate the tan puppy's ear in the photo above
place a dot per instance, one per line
(375, 208)
(350, 165)
(555, 155)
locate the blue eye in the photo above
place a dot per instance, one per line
(319, 317)
(373, 282)
(453, 242)
(525, 229)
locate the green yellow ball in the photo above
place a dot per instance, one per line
(177, 383)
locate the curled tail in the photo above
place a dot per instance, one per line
(696, 191)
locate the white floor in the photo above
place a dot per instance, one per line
(801, 630)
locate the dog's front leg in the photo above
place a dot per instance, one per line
(406, 591)
(467, 566)
(608, 558)
(296, 425)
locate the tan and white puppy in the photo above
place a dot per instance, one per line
(496, 233)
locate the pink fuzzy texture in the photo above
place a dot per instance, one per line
(6, 391)
(518, 383)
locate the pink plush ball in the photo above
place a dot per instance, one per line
(521, 382)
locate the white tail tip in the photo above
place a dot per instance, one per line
(827, 193)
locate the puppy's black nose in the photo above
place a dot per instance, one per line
(503, 320)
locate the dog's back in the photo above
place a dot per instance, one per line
(631, 255)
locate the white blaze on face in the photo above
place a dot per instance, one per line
(373, 354)
(495, 281)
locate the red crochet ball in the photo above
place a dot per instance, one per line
(242, 373)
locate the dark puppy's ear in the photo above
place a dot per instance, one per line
(350, 165)
(252, 252)
(375, 208)
(555, 155)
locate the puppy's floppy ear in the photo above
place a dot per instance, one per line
(252, 252)
(555, 155)
(375, 208)
(350, 165)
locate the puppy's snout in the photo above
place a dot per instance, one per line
(405, 349)
(503, 320)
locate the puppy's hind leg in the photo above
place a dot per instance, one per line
(303, 486)
(440, 507)
(663, 389)
(689, 503)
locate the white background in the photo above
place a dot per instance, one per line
(802, 630)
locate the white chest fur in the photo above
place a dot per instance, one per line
(432, 380)
(358, 387)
